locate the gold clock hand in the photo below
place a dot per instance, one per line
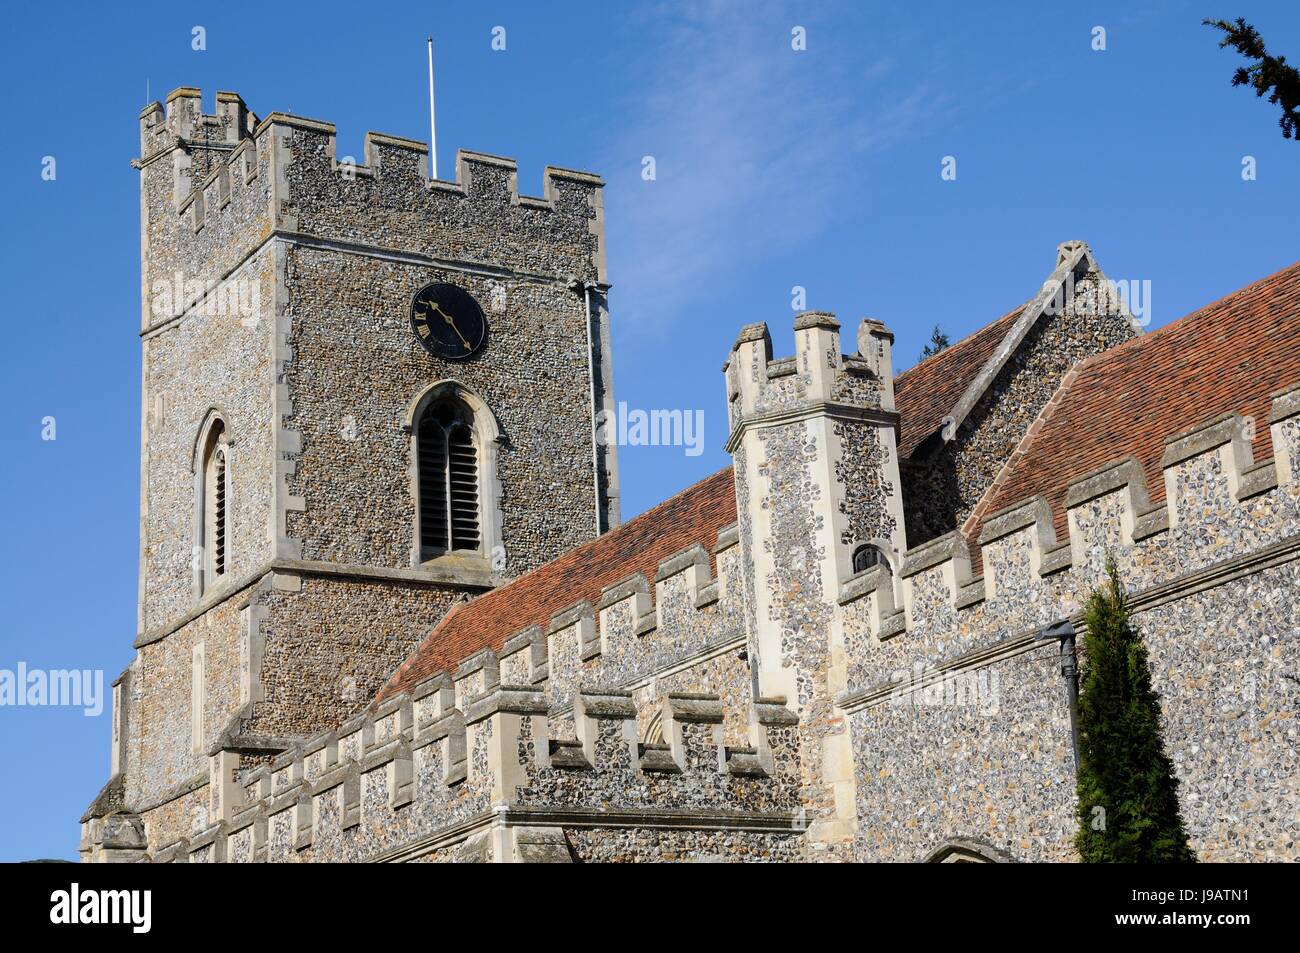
(452, 324)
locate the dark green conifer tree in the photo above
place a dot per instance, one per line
(938, 341)
(1268, 74)
(1128, 795)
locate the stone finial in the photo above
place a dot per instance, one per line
(1068, 249)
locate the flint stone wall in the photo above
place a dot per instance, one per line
(989, 759)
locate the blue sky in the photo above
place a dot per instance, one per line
(774, 168)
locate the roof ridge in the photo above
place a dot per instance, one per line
(1227, 356)
(956, 344)
(1181, 322)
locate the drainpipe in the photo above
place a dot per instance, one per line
(1063, 632)
(586, 287)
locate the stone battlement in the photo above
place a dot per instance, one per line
(233, 179)
(435, 764)
(637, 630)
(818, 374)
(1219, 504)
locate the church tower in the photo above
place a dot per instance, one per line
(367, 396)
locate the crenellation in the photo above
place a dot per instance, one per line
(209, 846)
(1109, 513)
(693, 730)
(934, 576)
(624, 609)
(879, 586)
(320, 755)
(177, 852)
(287, 768)
(523, 657)
(1285, 431)
(446, 742)
(433, 698)
(257, 784)
(682, 582)
(352, 736)
(1018, 546)
(818, 372)
(393, 718)
(605, 721)
(400, 788)
(478, 674)
(571, 641)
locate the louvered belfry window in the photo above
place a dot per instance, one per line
(449, 496)
(218, 541)
(216, 521)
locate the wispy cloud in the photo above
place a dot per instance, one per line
(754, 145)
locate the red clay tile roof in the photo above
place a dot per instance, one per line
(1228, 356)
(693, 516)
(926, 393)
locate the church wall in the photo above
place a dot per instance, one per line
(356, 368)
(329, 644)
(962, 715)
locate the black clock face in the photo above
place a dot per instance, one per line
(448, 321)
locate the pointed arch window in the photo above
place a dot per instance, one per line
(451, 517)
(455, 441)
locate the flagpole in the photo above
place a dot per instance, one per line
(433, 129)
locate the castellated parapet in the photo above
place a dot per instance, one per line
(220, 185)
(1209, 476)
(945, 663)
(651, 635)
(467, 768)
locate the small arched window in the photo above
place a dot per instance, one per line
(213, 544)
(868, 555)
(450, 515)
